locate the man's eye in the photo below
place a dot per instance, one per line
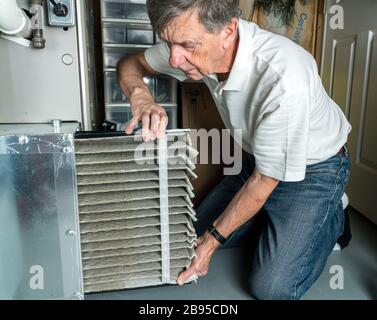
(189, 48)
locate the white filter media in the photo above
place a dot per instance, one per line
(136, 213)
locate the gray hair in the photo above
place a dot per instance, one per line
(213, 14)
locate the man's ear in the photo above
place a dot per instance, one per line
(230, 32)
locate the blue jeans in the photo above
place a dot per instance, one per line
(295, 231)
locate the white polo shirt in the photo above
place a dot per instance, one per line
(275, 95)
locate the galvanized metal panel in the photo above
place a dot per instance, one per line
(39, 227)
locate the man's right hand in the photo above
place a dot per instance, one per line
(153, 117)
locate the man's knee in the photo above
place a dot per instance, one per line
(272, 286)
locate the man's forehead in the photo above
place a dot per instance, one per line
(182, 29)
(181, 38)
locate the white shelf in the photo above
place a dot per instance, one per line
(125, 45)
(126, 21)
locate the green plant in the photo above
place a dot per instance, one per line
(283, 9)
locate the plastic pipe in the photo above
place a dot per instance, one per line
(13, 20)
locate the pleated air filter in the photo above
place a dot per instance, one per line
(136, 214)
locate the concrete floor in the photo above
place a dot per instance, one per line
(227, 278)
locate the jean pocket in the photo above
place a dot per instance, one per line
(321, 170)
(331, 166)
(328, 166)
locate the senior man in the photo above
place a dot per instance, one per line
(297, 165)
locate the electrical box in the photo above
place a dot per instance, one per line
(62, 14)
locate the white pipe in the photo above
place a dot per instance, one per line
(13, 20)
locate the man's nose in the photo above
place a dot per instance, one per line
(177, 57)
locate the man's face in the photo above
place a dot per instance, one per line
(193, 49)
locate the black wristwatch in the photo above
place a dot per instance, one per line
(213, 231)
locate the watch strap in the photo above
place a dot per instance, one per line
(216, 234)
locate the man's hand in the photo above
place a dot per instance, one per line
(246, 203)
(131, 71)
(206, 246)
(153, 117)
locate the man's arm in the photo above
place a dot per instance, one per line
(247, 202)
(131, 72)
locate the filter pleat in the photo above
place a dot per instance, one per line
(120, 211)
(136, 242)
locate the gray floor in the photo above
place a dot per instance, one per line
(227, 280)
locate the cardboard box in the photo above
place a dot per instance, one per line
(247, 9)
(305, 26)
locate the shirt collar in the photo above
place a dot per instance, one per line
(239, 75)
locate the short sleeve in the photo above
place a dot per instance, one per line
(280, 140)
(158, 59)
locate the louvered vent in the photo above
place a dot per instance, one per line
(136, 214)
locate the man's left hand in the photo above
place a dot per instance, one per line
(206, 246)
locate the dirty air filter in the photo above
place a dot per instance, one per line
(136, 214)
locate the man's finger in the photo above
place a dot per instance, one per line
(155, 123)
(132, 125)
(185, 275)
(146, 119)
